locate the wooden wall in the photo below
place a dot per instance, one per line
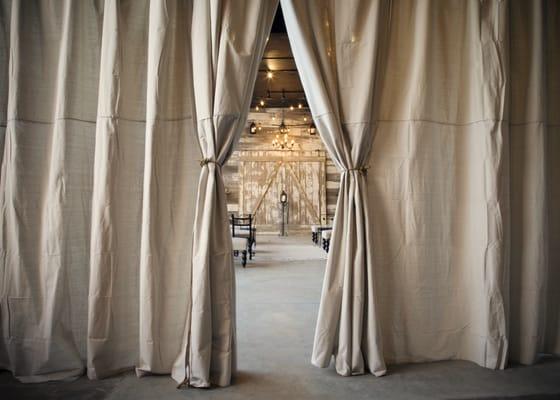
(256, 174)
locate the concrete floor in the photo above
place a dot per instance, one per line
(277, 309)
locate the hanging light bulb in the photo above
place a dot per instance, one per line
(269, 75)
(262, 103)
(304, 119)
(257, 108)
(299, 106)
(291, 108)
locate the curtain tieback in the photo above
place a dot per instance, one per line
(207, 161)
(362, 170)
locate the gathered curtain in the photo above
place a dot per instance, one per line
(336, 48)
(444, 249)
(99, 184)
(228, 41)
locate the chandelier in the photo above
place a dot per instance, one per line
(282, 141)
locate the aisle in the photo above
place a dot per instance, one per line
(277, 305)
(297, 247)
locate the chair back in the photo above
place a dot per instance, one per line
(242, 223)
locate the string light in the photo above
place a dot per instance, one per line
(291, 108)
(299, 106)
(262, 103)
(269, 75)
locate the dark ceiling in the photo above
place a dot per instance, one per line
(284, 88)
(278, 25)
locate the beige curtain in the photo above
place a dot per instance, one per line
(336, 47)
(450, 247)
(5, 10)
(98, 186)
(45, 194)
(228, 44)
(534, 142)
(458, 99)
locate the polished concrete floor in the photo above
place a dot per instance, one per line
(276, 312)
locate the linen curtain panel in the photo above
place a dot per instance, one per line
(228, 42)
(458, 100)
(99, 183)
(336, 46)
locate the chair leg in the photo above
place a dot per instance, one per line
(244, 258)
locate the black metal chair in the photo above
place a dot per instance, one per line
(326, 239)
(240, 246)
(242, 227)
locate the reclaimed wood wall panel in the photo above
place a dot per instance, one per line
(256, 174)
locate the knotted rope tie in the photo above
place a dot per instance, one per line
(361, 170)
(207, 161)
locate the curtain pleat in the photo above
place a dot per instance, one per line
(46, 176)
(170, 175)
(113, 316)
(5, 17)
(534, 179)
(227, 47)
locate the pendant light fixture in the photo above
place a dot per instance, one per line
(312, 129)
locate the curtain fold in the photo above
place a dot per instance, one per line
(113, 313)
(46, 173)
(227, 47)
(336, 47)
(5, 17)
(170, 175)
(534, 319)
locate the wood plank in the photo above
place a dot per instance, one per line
(303, 194)
(267, 186)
